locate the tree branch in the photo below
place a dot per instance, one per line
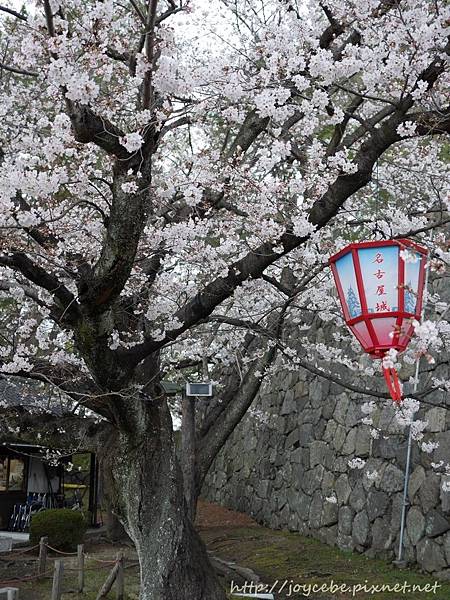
(366, 392)
(17, 71)
(68, 306)
(250, 129)
(255, 262)
(89, 127)
(14, 13)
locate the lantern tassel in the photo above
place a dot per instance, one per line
(393, 383)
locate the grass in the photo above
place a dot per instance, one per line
(273, 555)
(95, 574)
(277, 555)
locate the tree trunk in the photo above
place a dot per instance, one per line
(150, 502)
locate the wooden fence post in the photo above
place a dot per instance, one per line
(108, 583)
(80, 557)
(120, 577)
(57, 580)
(42, 564)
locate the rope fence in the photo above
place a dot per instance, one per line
(19, 552)
(117, 568)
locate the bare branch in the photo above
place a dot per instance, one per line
(14, 13)
(138, 10)
(364, 391)
(17, 71)
(49, 18)
(147, 95)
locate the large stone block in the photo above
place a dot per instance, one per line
(377, 503)
(350, 442)
(318, 392)
(339, 437)
(382, 536)
(343, 489)
(303, 505)
(315, 512)
(353, 415)
(328, 535)
(416, 480)
(263, 489)
(330, 431)
(345, 521)
(320, 453)
(311, 415)
(361, 528)
(306, 434)
(436, 524)
(362, 442)
(430, 555)
(328, 407)
(289, 405)
(396, 511)
(281, 499)
(447, 547)
(319, 429)
(415, 524)
(357, 497)
(430, 491)
(329, 514)
(392, 480)
(443, 451)
(296, 455)
(374, 465)
(436, 419)
(345, 542)
(328, 483)
(385, 418)
(340, 412)
(312, 479)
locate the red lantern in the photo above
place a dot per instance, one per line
(380, 286)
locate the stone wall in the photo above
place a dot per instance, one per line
(292, 452)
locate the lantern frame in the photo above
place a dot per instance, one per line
(400, 339)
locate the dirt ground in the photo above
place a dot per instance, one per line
(241, 550)
(211, 515)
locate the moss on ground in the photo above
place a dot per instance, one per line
(278, 555)
(274, 555)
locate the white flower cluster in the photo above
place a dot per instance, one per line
(390, 359)
(407, 129)
(132, 141)
(429, 447)
(356, 463)
(405, 413)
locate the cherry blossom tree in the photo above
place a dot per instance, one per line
(174, 176)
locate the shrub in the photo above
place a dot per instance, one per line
(64, 528)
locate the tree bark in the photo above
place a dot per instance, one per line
(150, 502)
